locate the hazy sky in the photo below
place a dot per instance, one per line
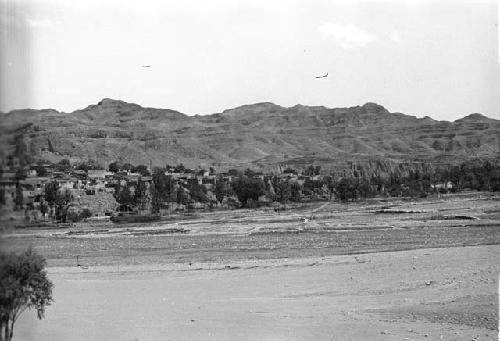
(436, 58)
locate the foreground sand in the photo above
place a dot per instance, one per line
(426, 294)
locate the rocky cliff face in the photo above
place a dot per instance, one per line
(262, 135)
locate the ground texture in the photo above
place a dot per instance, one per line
(424, 270)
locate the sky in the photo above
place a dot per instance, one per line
(437, 58)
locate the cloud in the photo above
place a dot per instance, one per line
(39, 22)
(347, 36)
(395, 36)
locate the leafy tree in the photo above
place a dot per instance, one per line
(295, 192)
(249, 173)
(124, 196)
(142, 170)
(247, 188)
(127, 167)
(63, 199)
(40, 170)
(198, 192)
(180, 196)
(89, 165)
(114, 167)
(2, 196)
(64, 165)
(50, 194)
(179, 168)
(23, 285)
(346, 189)
(283, 191)
(162, 189)
(60, 199)
(233, 172)
(20, 174)
(141, 194)
(73, 216)
(85, 214)
(220, 190)
(19, 198)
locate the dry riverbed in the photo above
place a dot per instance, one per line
(425, 270)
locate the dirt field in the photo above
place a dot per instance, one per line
(257, 275)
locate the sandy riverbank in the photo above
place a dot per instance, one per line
(426, 294)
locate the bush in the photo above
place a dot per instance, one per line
(85, 213)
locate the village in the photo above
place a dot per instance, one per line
(92, 193)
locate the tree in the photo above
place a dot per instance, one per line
(179, 168)
(40, 170)
(127, 167)
(114, 167)
(89, 165)
(63, 199)
(2, 196)
(162, 190)
(283, 191)
(141, 169)
(247, 188)
(51, 190)
(141, 195)
(295, 192)
(197, 192)
(64, 165)
(123, 195)
(23, 285)
(19, 198)
(20, 174)
(85, 214)
(220, 190)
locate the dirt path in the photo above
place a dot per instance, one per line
(427, 294)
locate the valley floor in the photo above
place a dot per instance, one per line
(425, 270)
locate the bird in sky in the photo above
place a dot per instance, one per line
(324, 76)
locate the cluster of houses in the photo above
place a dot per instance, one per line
(84, 184)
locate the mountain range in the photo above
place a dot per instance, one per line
(261, 135)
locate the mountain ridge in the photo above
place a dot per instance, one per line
(258, 135)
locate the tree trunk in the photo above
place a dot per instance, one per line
(11, 331)
(6, 331)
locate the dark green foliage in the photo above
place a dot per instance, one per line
(2, 196)
(85, 213)
(124, 195)
(198, 192)
(64, 165)
(346, 189)
(179, 168)
(51, 190)
(127, 167)
(114, 167)
(63, 199)
(20, 174)
(221, 190)
(23, 285)
(73, 216)
(18, 199)
(295, 192)
(141, 169)
(247, 188)
(89, 165)
(60, 199)
(283, 191)
(40, 170)
(162, 190)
